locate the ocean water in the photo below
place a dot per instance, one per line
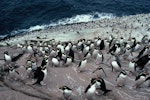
(21, 16)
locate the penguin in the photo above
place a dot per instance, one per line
(91, 89)
(82, 65)
(86, 49)
(30, 49)
(44, 61)
(121, 41)
(7, 57)
(118, 49)
(71, 54)
(143, 52)
(103, 86)
(95, 52)
(34, 65)
(121, 78)
(140, 79)
(132, 66)
(141, 62)
(67, 92)
(68, 61)
(100, 71)
(87, 55)
(59, 54)
(100, 57)
(55, 62)
(136, 47)
(148, 79)
(40, 74)
(116, 64)
(113, 49)
(102, 45)
(13, 74)
(144, 39)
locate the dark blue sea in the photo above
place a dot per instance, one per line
(20, 16)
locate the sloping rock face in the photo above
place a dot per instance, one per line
(22, 88)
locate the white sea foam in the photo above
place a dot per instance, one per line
(75, 19)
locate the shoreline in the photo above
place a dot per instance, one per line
(137, 25)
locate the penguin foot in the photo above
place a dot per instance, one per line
(42, 83)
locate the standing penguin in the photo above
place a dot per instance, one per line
(71, 54)
(103, 86)
(102, 45)
(100, 57)
(40, 74)
(82, 65)
(132, 66)
(100, 71)
(7, 57)
(116, 64)
(141, 62)
(91, 89)
(68, 61)
(67, 92)
(143, 52)
(140, 79)
(121, 78)
(55, 62)
(13, 74)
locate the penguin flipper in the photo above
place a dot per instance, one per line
(106, 91)
(148, 78)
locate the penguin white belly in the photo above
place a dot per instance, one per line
(30, 50)
(140, 81)
(121, 80)
(86, 49)
(115, 65)
(67, 92)
(82, 66)
(34, 66)
(95, 52)
(45, 73)
(99, 58)
(137, 47)
(55, 61)
(117, 50)
(53, 53)
(131, 66)
(69, 60)
(91, 90)
(7, 58)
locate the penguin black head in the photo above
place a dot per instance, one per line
(6, 52)
(64, 88)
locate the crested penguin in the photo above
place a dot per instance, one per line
(7, 57)
(121, 78)
(13, 74)
(40, 74)
(143, 52)
(91, 89)
(68, 61)
(82, 65)
(103, 86)
(55, 62)
(95, 52)
(116, 64)
(141, 62)
(100, 57)
(67, 92)
(132, 65)
(100, 71)
(71, 54)
(102, 45)
(140, 79)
